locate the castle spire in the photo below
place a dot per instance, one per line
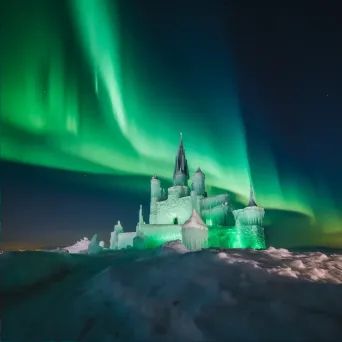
(251, 202)
(181, 164)
(141, 219)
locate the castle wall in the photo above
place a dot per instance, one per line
(126, 239)
(214, 211)
(214, 201)
(174, 210)
(157, 234)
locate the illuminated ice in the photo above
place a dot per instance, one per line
(126, 240)
(195, 232)
(188, 214)
(118, 229)
(94, 246)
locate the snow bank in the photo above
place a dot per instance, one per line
(210, 295)
(23, 269)
(79, 247)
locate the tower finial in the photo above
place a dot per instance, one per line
(251, 202)
(141, 219)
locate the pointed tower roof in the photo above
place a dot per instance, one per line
(155, 177)
(251, 202)
(199, 170)
(194, 221)
(181, 164)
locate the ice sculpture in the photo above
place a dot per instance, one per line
(195, 233)
(113, 242)
(181, 212)
(94, 246)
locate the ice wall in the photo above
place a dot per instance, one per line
(126, 240)
(157, 234)
(213, 201)
(249, 216)
(237, 237)
(174, 210)
(216, 215)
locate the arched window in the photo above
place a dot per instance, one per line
(175, 220)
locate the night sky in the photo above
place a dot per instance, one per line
(95, 93)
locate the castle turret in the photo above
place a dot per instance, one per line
(249, 224)
(251, 202)
(114, 236)
(181, 171)
(198, 182)
(155, 197)
(195, 232)
(141, 218)
(155, 188)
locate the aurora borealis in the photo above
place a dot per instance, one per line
(103, 88)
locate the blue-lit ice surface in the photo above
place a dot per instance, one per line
(170, 294)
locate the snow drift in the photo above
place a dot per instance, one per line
(216, 295)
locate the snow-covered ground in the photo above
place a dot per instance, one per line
(170, 294)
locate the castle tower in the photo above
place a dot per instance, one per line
(198, 182)
(114, 236)
(195, 232)
(141, 218)
(251, 202)
(155, 197)
(181, 171)
(155, 187)
(249, 224)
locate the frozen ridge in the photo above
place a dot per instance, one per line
(194, 221)
(144, 295)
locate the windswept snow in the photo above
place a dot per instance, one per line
(213, 294)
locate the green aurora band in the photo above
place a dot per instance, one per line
(116, 122)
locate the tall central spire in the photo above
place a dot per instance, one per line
(181, 165)
(251, 202)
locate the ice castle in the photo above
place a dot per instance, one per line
(190, 215)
